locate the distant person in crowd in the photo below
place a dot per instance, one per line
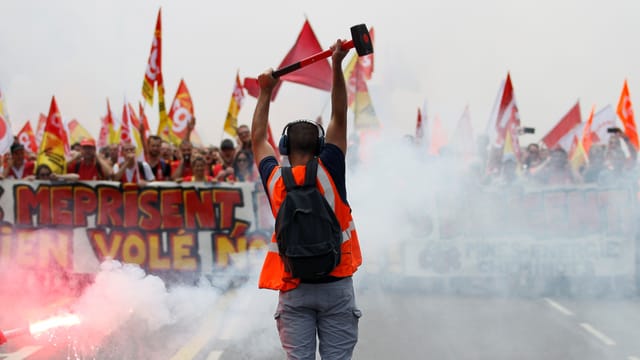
(43, 172)
(556, 171)
(17, 166)
(508, 172)
(212, 157)
(596, 164)
(532, 158)
(244, 138)
(224, 170)
(160, 168)
(199, 165)
(181, 167)
(167, 152)
(89, 166)
(620, 142)
(114, 153)
(243, 168)
(76, 146)
(130, 170)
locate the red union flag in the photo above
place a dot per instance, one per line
(181, 111)
(506, 115)
(625, 112)
(563, 129)
(154, 64)
(27, 138)
(317, 75)
(54, 145)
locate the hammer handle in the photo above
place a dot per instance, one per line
(309, 60)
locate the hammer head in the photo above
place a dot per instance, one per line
(361, 40)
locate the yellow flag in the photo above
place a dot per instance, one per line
(231, 123)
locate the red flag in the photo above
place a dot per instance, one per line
(625, 112)
(27, 138)
(154, 64)
(366, 62)
(181, 111)
(507, 115)
(419, 127)
(317, 75)
(107, 129)
(563, 128)
(602, 120)
(587, 133)
(55, 144)
(252, 87)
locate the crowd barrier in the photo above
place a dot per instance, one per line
(570, 240)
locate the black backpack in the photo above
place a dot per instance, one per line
(307, 230)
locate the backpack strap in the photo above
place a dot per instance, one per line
(312, 173)
(287, 177)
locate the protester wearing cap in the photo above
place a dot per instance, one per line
(89, 166)
(224, 171)
(17, 167)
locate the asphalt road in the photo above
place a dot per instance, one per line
(396, 324)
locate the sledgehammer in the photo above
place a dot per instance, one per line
(359, 39)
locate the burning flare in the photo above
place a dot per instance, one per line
(53, 322)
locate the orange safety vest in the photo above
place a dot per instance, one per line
(273, 275)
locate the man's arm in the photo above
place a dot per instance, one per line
(107, 171)
(260, 145)
(337, 128)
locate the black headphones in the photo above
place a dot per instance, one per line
(283, 145)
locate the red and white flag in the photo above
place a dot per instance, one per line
(27, 138)
(625, 112)
(54, 147)
(181, 112)
(505, 116)
(602, 120)
(564, 131)
(6, 133)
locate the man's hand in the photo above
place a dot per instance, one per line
(266, 80)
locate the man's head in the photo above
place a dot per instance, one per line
(17, 154)
(185, 150)
(302, 137)
(227, 151)
(244, 134)
(88, 148)
(155, 143)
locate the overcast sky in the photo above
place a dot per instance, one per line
(449, 53)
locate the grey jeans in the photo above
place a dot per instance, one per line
(326, 310)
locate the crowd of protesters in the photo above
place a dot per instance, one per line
(232, 161)
(607, 164)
